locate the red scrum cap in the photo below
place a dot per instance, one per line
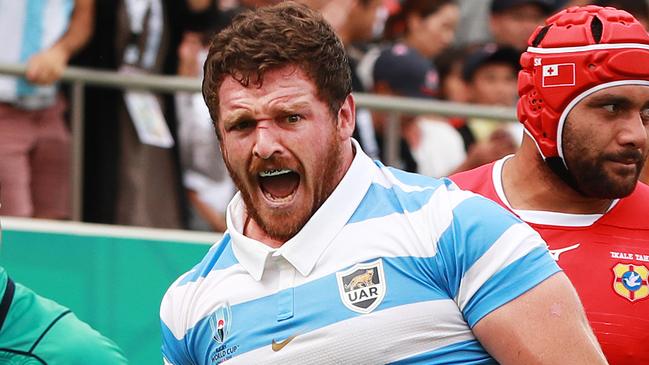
(580, 50)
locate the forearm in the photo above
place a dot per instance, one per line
(79, 30)
(198, 5)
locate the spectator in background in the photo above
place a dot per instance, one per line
(228, 9)
(126, 181)
(428, 26)
(428, 146)
(357, 23)
(512, 21)
(205, 178)
(489, 74)
(413, 25)
(34, 138)
(449, 65)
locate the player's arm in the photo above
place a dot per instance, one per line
(545, 325)
(48, 65)
(514, 297)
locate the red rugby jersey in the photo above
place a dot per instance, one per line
(606, 256)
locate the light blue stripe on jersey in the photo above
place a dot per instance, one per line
(68, 7)
(380, 202)
(32, 39)
(508, 284)
(173, 350)
(403, 284)
(477, 224)
(413, 179)
(457, 353)
(220, 257)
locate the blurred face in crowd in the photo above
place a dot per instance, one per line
(432, 34)
(493, 84)
(605, 140)
(282, 147)
(367, 18)
(513, 27)
(453, 86)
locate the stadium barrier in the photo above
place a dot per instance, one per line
(79, 77)
(112, 277)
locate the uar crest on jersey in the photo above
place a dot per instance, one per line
(362, 287)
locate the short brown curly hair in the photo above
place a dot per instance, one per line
(273, 37)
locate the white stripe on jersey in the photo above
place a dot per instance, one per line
(341, 342)
(497, 257)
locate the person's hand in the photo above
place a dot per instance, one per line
(47, 66)
(188, 50)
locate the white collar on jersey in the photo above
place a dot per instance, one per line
(542, 216)
(304, 249)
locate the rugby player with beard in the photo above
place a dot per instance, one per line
(332, 258)
(584, 103)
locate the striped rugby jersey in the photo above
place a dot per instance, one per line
(393, 268)
(26, 28)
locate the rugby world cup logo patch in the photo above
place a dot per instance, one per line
(362, 287)
(220, 323)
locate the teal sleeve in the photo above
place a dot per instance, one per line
(71, 341)
(37, 327)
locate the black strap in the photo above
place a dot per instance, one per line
(6, 301)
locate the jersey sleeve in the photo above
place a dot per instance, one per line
(488, 257)
(74, 342)
(55, 335)
(174, 347)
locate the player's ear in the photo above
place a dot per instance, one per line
(346, 118)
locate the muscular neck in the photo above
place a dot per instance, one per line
(529, 184)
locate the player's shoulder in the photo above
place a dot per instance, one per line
(72, 341)
(220, 255)
(55, 333)
(181, 294)
(474, 178)
(631, 211)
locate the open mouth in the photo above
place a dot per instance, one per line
(279, 185)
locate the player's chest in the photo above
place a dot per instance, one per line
(346, 315)
(605, 264)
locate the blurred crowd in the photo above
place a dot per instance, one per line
(154, 160)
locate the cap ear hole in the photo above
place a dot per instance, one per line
(539, 37)
(592, 66)
(596, 28)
